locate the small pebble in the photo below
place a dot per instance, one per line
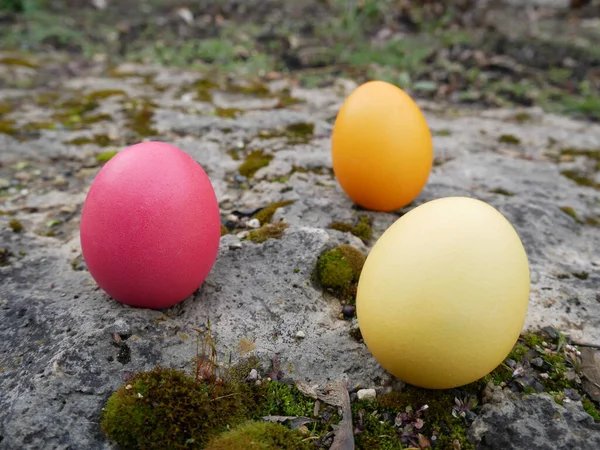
(235, 246)
(243, 234)
(366, 394)
(300, 335)
(253, 223)
(240, 179)
(348, 311)
(253, 375)
(538, 362)
(233, 218)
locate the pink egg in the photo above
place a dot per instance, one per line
(150, 226)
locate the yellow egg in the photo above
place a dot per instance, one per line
(443, 294)
(381, 147)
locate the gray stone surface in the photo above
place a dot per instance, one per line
(58, 361)
(535, 421)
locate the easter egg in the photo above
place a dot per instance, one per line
(443, 294)
(381, 147)
(150, 226)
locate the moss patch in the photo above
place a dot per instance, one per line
(165, 408)
(260, 436)
(224, 230)
(361, 229)
(8, 127)
(266, 214)
(296, 133)
(101, 140)
(140, 114)
(105, 156)
(9, 61)
(509, 139)
(269, 231)
(254, 161)
(228, 113)
(568, 210)
(501, 191)
(15, 225)
(580, 179)
(338, 270)
(403, 419)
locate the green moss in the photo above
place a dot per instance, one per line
(8, 127)
(284, 399)
(35, 126)
(100, 95)
(224, 230)
(532, 340)
(71, 113)
(592, 221)
(15, 225)
(101, 140)
(296, 133)
(254, 89)
(260, 436)
(339, 271)
(591, 409)
(165, 408)
(509, 139)
(254, 161)
(228, 113)
(105, 156)
(518, 352)
(286, 99)
(300, 132)
(94, 118)
(140, 114)
(580, 179)
(522, 117)
(570, 212)
(266, 214)
(8, 61)
(581, 275)
(501, 191)
(442, 133)
(588, 153)
(362, 229)
(268, 231)
(378, 417)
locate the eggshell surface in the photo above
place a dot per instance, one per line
(150, 226)
(444, 292)
(381, 146)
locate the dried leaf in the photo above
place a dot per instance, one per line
(424, 442)
(590, 368)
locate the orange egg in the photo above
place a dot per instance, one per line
(381, 147)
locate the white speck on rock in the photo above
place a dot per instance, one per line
(366, 394)
(300, 334)
(253, 223)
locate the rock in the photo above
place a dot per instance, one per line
(253, 375)
(59, 360)
(509, 422)
(366, 394)
(300, 334)
(253, 223)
